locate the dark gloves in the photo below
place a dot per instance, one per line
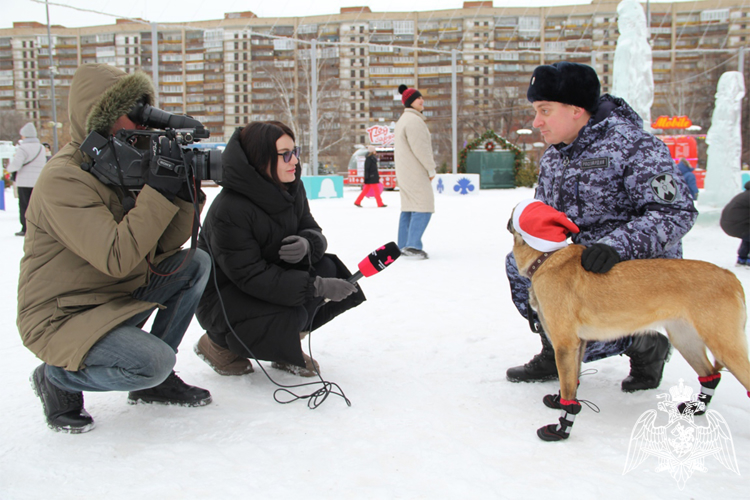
(599, 258)
(166, 163)
(333, 288)
(293, 249)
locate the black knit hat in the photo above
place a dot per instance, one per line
(408, 95)
(565, 82)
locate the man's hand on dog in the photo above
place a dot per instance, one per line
(599, 258)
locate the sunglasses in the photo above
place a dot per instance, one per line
(288, 155)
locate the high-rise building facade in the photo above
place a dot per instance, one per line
(242, 68)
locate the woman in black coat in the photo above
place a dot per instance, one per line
(371, 184)
(270, 263)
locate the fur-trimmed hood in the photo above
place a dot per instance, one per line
(100, 94)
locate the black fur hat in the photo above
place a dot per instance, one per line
(565, 82)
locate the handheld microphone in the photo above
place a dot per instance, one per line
(376, 261)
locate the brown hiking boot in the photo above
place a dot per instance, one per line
(222, 360)
(310, 370)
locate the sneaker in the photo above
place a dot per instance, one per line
(173, 391)
(63, 409)
(414, 253)
(358, 205)
(311, 369)
(740, 262)
(21, 233)
(222, 360)
(382, 206)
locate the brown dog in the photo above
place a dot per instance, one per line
(575, 306)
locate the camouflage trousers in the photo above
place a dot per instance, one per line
(519, 290)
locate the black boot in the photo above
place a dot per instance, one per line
(541, 367)
(63, 409)
(173, 391)
(647, 353)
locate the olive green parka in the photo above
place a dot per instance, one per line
(83, 254)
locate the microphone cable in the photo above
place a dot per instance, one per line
(315, 398)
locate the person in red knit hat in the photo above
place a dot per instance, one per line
(371, 185)
(415, 169)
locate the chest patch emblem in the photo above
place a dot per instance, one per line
(664, 187)
(595, 162)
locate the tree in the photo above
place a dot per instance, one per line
(10, 123)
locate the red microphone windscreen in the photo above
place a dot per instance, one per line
(379, 259)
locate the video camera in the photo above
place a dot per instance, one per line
(124, 159)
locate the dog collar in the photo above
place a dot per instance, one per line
(534, 267)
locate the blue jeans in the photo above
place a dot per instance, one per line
(130, 359)
(411, 227)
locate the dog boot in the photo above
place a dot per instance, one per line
(558, 432)
(708, 386)
(647, 353)
(552, 401)
(541, 367)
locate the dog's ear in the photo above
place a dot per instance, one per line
(510, 227)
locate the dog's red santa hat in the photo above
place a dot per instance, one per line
(542, 227)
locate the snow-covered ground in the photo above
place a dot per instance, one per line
(423, 362)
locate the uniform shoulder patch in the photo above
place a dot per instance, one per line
(664, 188)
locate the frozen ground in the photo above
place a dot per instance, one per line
(423, 362)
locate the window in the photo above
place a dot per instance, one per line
(403, 27)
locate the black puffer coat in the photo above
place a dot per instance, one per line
(735, 217)
(266, 299)
(371, 169)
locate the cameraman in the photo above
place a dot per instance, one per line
(96, 264)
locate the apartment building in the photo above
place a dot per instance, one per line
(241, 68)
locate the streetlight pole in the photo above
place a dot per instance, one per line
(523, 132)
(52, 72)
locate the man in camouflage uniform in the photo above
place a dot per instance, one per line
(619, 184)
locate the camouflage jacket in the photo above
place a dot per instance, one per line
(619, 184)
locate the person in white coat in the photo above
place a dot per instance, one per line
(415, 169)
(27, 164)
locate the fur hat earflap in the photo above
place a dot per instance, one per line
(119, 100)
(28, 130)
(542, 227)
(565, 82)
(408, 95)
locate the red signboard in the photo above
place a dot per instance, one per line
(674, 122)
(380, 134)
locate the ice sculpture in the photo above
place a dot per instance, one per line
(633, 79)
(724, 139)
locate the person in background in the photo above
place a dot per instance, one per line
(47, 150)
(371, 184)
(735, 221)
(415, 169)
(620, 186)
(97, 263)
(272, 278)
(25, 168)
(687, 173)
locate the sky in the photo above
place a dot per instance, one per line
(197, 10)
(423, 364)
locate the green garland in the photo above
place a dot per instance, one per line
(504, 144)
